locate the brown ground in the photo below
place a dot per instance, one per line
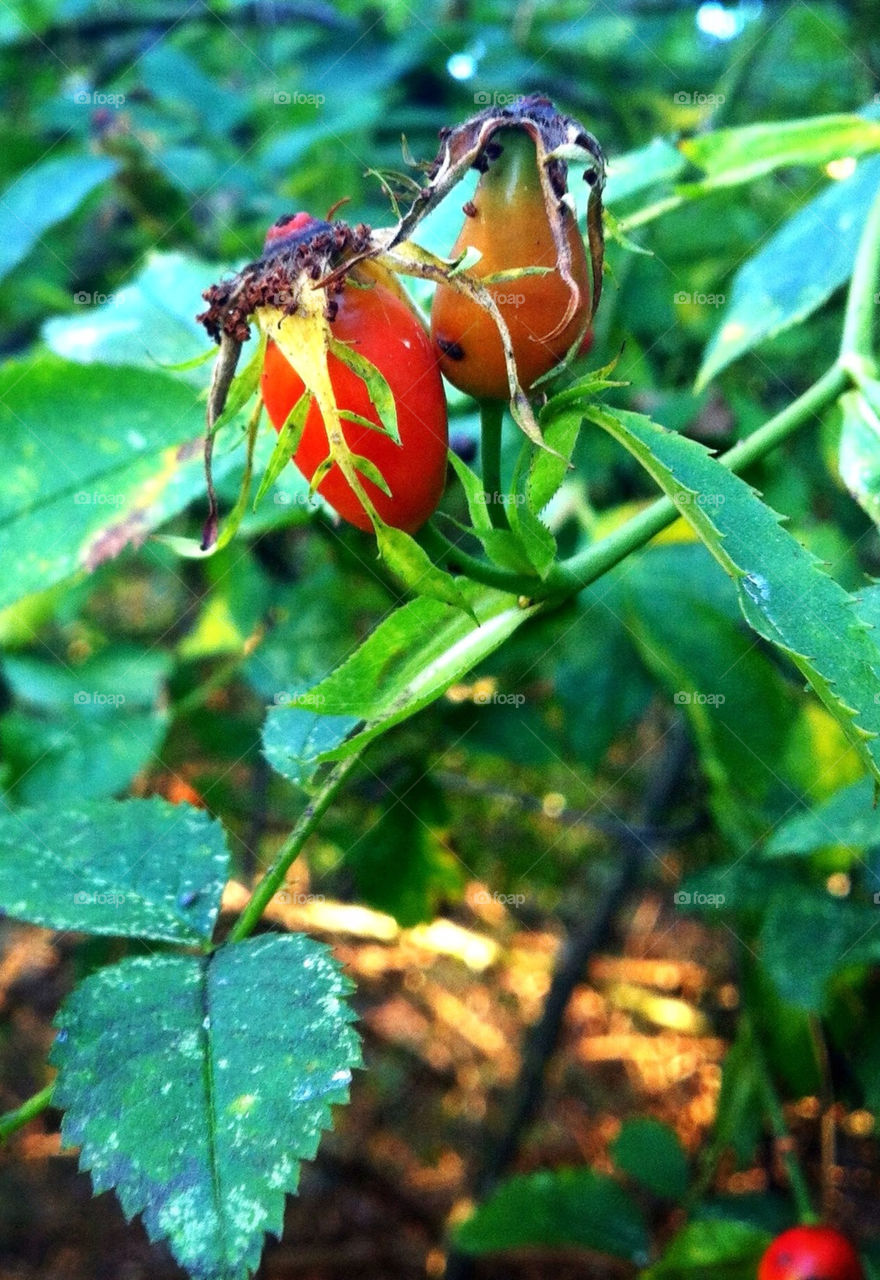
(443, 1011)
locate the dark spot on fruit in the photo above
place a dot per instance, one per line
(450, 349)
(469, 209)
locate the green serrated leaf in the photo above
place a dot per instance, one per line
(503, 546)
(474, 494)
(783, 593)
(131, 868)
(199, 1096)
(507, 549)
(535, 538)
(546, 470)
(405, 664)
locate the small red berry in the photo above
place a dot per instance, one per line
(810, 1253)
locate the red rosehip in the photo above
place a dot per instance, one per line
(810, 1253)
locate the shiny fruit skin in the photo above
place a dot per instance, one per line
(810, 1253)
(508, 224)
(381, 326)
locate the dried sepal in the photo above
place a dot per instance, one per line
(221, 380)
(412, 260)
(303, 336)
(558, 139)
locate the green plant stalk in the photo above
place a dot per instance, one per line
(586, 566)
(490, 575)
(773, 1108)
(857, 340)
(16, 1119)
(491, 420)
(289, 851)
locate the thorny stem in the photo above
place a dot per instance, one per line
(572, 575)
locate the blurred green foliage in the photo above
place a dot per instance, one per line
(146, 149)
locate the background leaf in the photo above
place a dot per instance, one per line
(43, 196)
(134, 868)
(652, 1155)
(93, 459)
(558, 1207)
(795, 271)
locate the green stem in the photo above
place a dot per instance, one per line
(775, 1114)
(289, 851)
(491, 419)
(586, 566)
(861, 302)
(439, 546)
(862, 297)
(14, 1120)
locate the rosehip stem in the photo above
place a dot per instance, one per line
(491, 420)
(583, 568)
(490, 575)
